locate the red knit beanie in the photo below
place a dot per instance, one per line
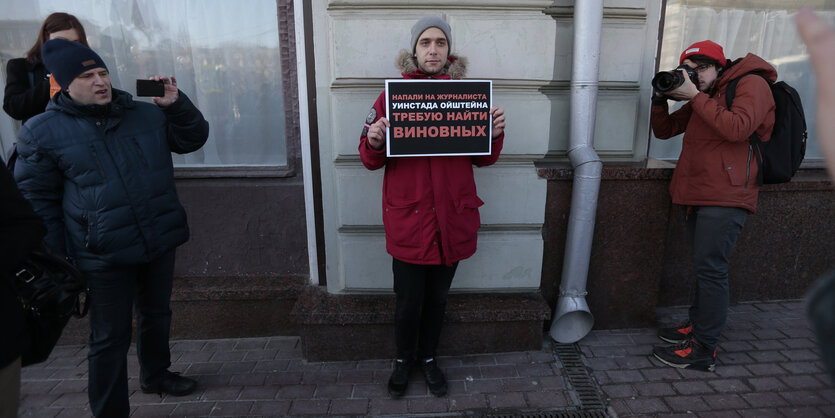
(709, 49)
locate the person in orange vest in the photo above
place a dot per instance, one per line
(28, 83)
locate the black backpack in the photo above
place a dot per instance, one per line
(779, 158)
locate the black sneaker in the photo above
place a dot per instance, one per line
(434, 377)
(172, 384)
(399, 379)
(688, 355)
(677, 334)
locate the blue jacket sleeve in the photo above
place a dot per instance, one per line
(41, 182)
(187, 129)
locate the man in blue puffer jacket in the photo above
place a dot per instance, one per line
(97, 168)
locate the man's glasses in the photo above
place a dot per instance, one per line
(702, 68)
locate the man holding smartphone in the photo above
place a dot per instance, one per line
(97, 168)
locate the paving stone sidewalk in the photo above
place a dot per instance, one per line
(768, 366)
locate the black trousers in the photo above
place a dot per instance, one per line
(714, 231)
(421, 304)
(113, 294)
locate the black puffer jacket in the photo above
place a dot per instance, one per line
(21, 230)
(102, 178)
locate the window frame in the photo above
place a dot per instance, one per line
(292, 136)
(811, 163)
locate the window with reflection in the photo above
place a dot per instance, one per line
(224, 54)
(762, 27)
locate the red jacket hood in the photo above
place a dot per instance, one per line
(747, 64)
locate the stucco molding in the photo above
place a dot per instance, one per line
(609, 13)
(377, 84)
(494, 228)
(491, 5)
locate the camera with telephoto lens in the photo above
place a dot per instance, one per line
(666, 81)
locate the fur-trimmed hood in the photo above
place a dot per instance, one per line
(456, 66)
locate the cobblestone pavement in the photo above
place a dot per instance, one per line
(767, 366)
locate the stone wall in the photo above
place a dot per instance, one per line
(640, 258)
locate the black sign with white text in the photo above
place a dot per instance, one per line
(438, 117)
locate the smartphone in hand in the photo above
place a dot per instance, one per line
(150, 88)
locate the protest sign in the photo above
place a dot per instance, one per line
(438, 117)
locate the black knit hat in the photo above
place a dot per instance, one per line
(67, 59)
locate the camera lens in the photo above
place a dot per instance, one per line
(665, 81)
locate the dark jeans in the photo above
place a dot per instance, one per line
(421, 303)
(113, 294)
(820, 303)
(713, 231)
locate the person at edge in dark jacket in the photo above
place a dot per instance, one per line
(715, 182)
(820, 43)
(430, 211)
(21, 230)
(27, 81)
(97, 168)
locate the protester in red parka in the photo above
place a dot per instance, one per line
(715, 181)
(430, 211)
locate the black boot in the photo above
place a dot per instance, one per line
(434, 377)
(399, 379)
(172, 384)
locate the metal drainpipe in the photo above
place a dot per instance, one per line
(572, 318)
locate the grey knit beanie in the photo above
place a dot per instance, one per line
(427, 22)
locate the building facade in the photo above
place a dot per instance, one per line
(287, 235)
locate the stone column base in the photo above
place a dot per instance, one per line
(337, 327)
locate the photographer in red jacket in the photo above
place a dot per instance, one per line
(715, 181)
(430, 211)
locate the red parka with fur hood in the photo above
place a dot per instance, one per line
(717, 166)
(430, 205)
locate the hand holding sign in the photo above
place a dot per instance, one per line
(440, 118)
(498, 121)
(377, 133)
